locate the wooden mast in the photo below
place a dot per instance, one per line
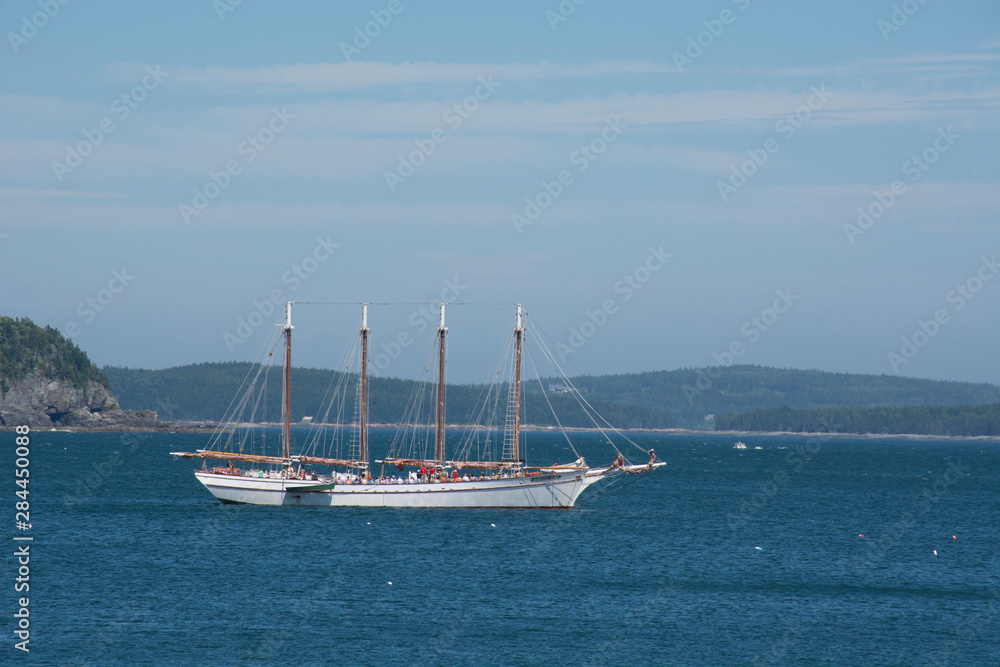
(518, 334)
(364, 383)
(288, 381)
(439, 452)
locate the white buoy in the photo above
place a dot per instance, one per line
(494, 525)
(389, 582)
(758, 548)
(935, 552)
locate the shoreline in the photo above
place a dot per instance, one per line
(170, 427)
(212, 427)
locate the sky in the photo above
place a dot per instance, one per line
(661, 184)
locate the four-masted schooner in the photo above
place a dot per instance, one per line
(289, 480)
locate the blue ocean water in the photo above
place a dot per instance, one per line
(724, 557)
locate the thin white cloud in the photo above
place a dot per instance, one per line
(765, 209)
(926, 63)
(355, 140)
(359, 75)
(28, 193)
(924, 58)
(364, 75)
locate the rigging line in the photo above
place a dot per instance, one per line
(490, 410)
(334, 388)
(239, 411)
(612, 427)
(485, 417)
(235, 405)
(403, 303)
(536, 325)
(531, 358)
(576, 394)
(593, 414)
(368, 303)
(580, 398)
(471, 430)
(405, 437)
(217, 437)
(261, 396)
(615, 485)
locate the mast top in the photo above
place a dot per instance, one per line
(288, 316)
(520, 321)
(442, 327)
(364, 317)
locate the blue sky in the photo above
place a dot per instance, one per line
(712, 155)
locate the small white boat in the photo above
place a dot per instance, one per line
(739, 445)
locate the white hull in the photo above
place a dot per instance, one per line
(547, 490)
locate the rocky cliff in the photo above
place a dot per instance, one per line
(44, 402)
(46, 381)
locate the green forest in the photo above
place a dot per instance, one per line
(691, 396)
(661, 399)
(27, 347)
(745, 398)
(204, 392)
(953, 420)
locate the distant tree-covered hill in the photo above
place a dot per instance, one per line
(205, 392)
(954, 420)
(660, 399)
(691, 395)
